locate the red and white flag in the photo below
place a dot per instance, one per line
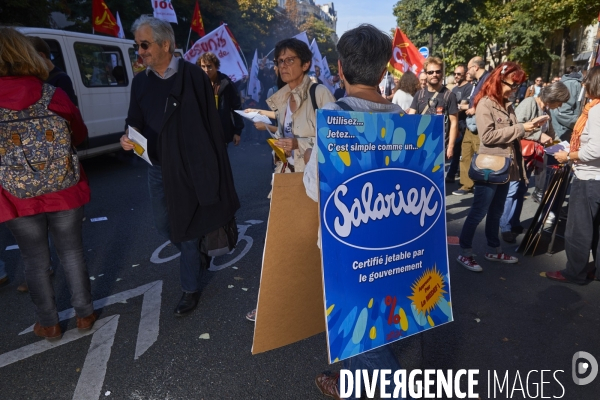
(163, 9)
(405, 56)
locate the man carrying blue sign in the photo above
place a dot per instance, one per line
(361, 80)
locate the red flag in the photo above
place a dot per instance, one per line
(237, 46)
(102, 19)
(197, 24)
(405, 56)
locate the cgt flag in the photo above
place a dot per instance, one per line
(405, 56)
(197, 24)
(102, 19)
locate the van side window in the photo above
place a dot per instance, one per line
(137, 65)
(100, 65)
(56, 54)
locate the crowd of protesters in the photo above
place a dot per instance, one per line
(483, 130)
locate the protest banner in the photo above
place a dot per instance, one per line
(405, 56)
(222, 45)
(163, 9)
(327, 77)
(383, 228)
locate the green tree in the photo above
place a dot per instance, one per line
(26, 12)
(318, 30)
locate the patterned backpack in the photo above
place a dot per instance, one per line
(36, 155)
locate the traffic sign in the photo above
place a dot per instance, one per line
(424, 51)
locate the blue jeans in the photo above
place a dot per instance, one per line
(380, 358)
(488, 200)
(511, 217)
(190, 265)
(31, 234)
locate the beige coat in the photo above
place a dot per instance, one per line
(303, 119)
(499, 133)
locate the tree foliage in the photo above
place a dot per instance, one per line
(26, 12)
(318, 30)
(518, 29)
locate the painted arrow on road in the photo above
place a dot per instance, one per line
(89, 385)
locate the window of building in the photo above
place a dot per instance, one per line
(100, 65)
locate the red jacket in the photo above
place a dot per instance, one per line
(18, 93)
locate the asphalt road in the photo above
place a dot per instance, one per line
(507, 318)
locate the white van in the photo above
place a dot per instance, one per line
(101, 69)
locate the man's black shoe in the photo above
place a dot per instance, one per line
(537, 196)
(187, 304)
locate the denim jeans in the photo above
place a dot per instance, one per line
(190, 265)
(488, 200)
(583, 230)
(511, 217)
(31, 234)
(380, 358)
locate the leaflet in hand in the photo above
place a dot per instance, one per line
(562, 146)
(140, 144)
(254, 116)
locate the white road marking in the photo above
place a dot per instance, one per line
(148, 330)
(155, 258)
(107, 301)
(13, 247)
(89, 385)
(91, 380)
(43, 345)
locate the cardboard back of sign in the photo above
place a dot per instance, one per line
(290, 299)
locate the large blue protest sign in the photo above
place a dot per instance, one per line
(383, 227)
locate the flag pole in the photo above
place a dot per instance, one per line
(187, 45)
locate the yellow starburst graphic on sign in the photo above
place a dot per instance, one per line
(428, 290)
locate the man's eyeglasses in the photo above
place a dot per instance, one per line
(458, 73)
(286, 61)
(144, 45)
(511, 85)
(437, 72)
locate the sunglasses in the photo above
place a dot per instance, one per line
(458, 73)
(143, 45)
(437, 72)
(511, 85)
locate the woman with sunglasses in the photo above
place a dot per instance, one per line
(500, 132)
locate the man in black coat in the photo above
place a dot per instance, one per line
(190, 179)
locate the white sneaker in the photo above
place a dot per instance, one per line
(469, 263)
(501, 257)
